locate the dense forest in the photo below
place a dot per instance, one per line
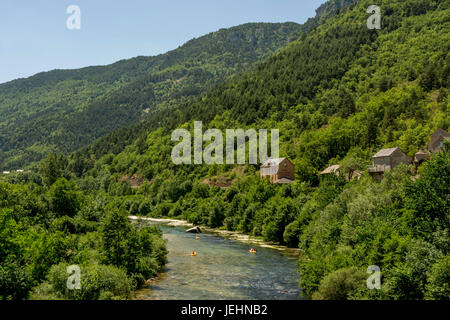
(63, 110)
(338, 94)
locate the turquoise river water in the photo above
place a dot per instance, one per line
(223, 269)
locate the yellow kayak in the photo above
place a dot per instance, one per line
(252, 251)
(194, 253)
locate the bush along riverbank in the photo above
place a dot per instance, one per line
(45, 227)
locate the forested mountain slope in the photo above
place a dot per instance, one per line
(63, 110)
(117, 140)
(381, 83)
(338, 94)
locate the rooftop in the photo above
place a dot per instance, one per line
(272, 162)
(331, 169)
(421, 151)
(385, 152)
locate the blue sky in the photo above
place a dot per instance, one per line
(34, 36)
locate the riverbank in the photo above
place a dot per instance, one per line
(232, 235)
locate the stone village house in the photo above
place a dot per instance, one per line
(282, 170)
(336, 169)
(437, 139)
(387, 159)
(279, 170)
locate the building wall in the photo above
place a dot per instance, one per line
(382, 161)
(436, 146)
(286, 170)
(399, 157)
(436, 140)
(269, 171)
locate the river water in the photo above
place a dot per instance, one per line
(223, 269)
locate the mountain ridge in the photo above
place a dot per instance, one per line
(37, 109)
(64, 110)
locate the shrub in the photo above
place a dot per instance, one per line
(341, 284)
(438, 286)
(97, 282)
(291, 234)
(15, 281)
(407, 281)
(64, 198)
(142, 252)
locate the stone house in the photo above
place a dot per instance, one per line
(387, 159)
(280, 170)
(437, 139)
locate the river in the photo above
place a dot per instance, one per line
(223, 269)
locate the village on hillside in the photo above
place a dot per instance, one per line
(282, 170)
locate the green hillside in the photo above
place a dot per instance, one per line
(341, 87)
(337, 95)
(63, 110)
